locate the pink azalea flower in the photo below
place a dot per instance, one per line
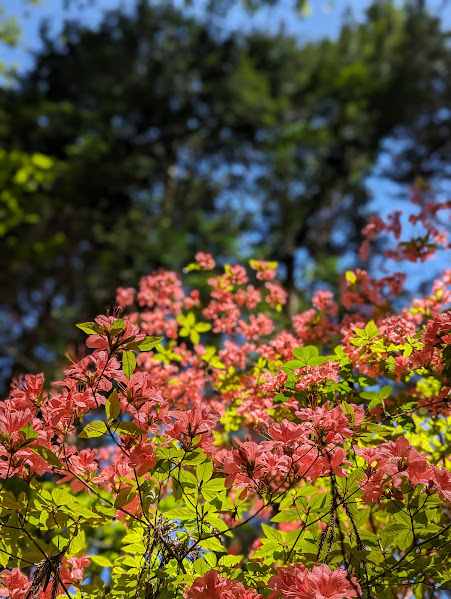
(296, 582)
(77, 566)
(205, 261)
(143, 458)
(16, 584)
(213, 586)
(125, 296)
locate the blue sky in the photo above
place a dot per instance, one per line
(324, 20)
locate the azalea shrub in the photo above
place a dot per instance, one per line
(206, 446)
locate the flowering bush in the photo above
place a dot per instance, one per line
(204, 450)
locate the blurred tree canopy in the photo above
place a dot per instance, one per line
(134, 146)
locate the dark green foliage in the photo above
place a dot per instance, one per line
(167, 139)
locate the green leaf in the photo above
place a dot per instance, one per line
(294, 364)
(48, 455)
(61, 496)
(420, 590)
(213, 485)
(209, 353)
(376, 401)
(216, 522)
(28, 432)
(349, 412)
(305, 354)
(255, 567)
(215, 362)
(127, 428)
(125, 496)
(317, 502)
(187, 321)
(375, 557)
(406, 422)
(42, 161)
(195, 457)
(72, 509)
(213, 544)
(4, 557)
(185, 478)
(320, 360)
(211, 559)
(128, 363)
(266, 550)
(194, 337)
(357, 341)
(290, 515)
(177, 489)
(78, 543)
(307, 490)
(149, 343)
(385, 392)
(371, 329)
(255, 264)
(189, 268)
(202, 327)
(201, 566)
(117, 326)
(228, 561)
(405, 539)
(86, 327)
(384, 594)
(101, 560)
(390, 533)
(181, 513)
(112, 407)
(280, 398)
(204, 471)
(369, 395)
(93, 429)
(272, 533)
(350, 276)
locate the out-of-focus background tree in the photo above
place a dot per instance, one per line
(173, 128)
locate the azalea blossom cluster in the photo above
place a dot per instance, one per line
(204, 443)
(433, 234)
